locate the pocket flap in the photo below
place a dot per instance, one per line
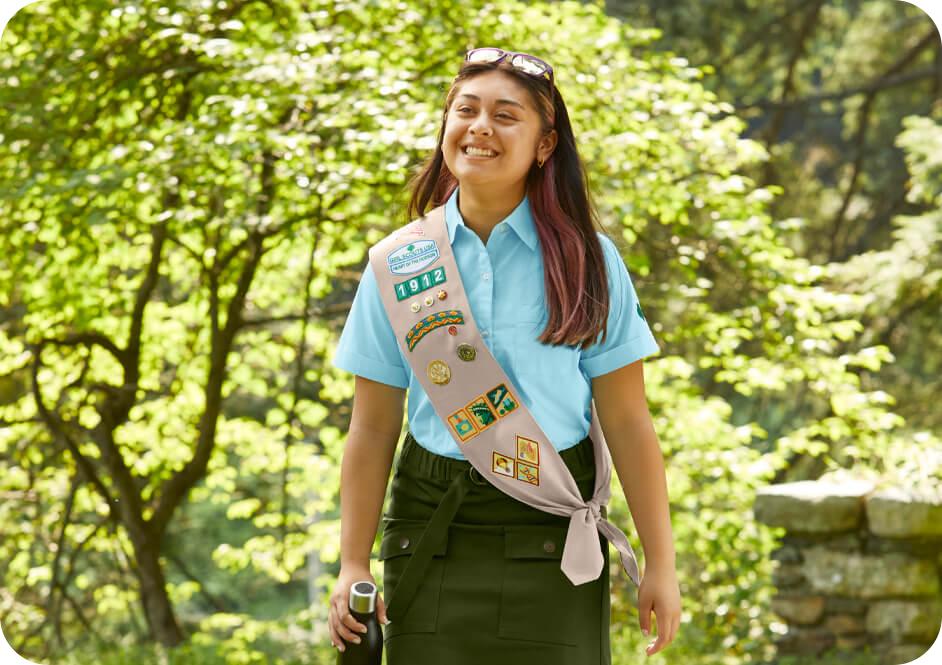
(534, 542)
(401, 536)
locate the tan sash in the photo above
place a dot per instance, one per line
(428, 309)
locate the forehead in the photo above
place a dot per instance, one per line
(494, 88)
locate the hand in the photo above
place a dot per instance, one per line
(659, 592)
(343, 625)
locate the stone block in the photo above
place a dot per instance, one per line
(799, 609)
(810, 506)
(845, 624)
(903, 653)
(905, 620)
(787, 575)
(863, 576)
(897, 513)
(804, 641)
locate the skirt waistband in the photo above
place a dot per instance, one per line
(580, 459)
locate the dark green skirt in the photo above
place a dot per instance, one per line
(471, 575)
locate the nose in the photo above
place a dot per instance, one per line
(479, 126)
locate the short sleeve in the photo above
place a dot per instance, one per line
(367, 345)
(628, 337)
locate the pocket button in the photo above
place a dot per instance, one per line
(404, 542)
(549, 546)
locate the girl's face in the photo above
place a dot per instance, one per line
(494, 112)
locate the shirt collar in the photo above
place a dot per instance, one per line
(520, 220)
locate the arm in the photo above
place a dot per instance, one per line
(636, 454)
(375, 426)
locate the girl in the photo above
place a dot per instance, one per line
(516, 205)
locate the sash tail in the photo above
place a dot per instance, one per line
(582, 559)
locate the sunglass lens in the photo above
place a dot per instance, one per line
(531, 66)
(484, 55)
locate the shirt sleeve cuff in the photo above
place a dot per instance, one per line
(639, 347)
(354, 363)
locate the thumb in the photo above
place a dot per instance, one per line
(644, 617)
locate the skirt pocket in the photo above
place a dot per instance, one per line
(400, 537)
(538, 602)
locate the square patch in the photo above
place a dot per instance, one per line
(528, 473)
(481, 413)
(501, 400)
(462, 425)
(528, 450)
(503, 465)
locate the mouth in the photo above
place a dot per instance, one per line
(478, 153)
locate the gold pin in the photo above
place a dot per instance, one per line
(439, 372)
(442, 294)
(466, 352)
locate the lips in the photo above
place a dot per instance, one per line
(473, 156)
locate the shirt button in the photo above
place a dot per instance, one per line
(485, 275)
(483, 333)
(503, 229)
(549, 546)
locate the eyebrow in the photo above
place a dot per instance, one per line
(499, 101)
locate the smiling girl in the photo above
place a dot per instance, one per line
(556, 307)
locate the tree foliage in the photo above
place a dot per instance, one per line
(188, 190)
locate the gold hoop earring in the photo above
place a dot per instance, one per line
(539, 163)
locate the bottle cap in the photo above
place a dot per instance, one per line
(363, 597)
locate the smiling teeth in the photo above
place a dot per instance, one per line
(479, 152)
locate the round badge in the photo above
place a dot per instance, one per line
(439, 372)
(442, 294)
(452, 330)
(428, 301)
(416, 306)
(466, 352)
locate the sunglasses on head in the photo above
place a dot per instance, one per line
(526, 63)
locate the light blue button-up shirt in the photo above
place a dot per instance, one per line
(504, 284)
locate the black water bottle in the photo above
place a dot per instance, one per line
(363, 608)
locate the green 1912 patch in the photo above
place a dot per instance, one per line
(420, 283)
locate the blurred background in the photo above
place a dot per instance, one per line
(187, 193)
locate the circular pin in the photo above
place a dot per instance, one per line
(439, 372)
(466, 352)
(442, 294)
(428, 301)
(452, 330)
(416, 306)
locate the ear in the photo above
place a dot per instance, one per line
(546, 145)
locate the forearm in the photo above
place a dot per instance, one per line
(364, 475)
(639, 463)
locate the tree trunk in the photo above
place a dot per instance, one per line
(157, 607)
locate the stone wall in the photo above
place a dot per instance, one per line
(858, 567)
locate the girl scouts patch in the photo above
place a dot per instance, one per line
(502, 400)
(528, 473)
(481, 413)
(528, 450)
(413, 257)
(419, 283)
(461, 425)
(503, 465)
(466, 352)
(431, 322)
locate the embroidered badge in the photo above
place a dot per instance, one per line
(503, 465)
(430, 323)
(442, 294)
(528, 473)
(413, 257)
(461, 424)
(428, 301)
(502, 400)
(416, 306)
(439, 372)
(466, 352)
(481, 413)
(420, 283)
(640, 313)
(452, 330)
(528, 450)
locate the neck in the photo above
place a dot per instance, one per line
(484, 207)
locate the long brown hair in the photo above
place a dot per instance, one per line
(574, 274)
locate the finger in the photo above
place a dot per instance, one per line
(352, 629)
(343, 630)
(381, 610)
